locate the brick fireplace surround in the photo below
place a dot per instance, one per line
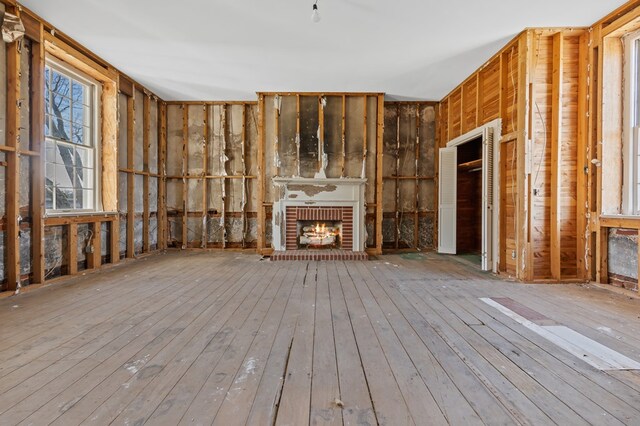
(319, 200)
(294, 214)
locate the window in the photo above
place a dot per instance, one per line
(631, 124)
(70, 140)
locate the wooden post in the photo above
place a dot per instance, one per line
(261, 172)
(556, 156)
(298, 135)
(94, 259)
(397, 181)
(244, 174)
(131, 116)
(276, 142)
(320, 132)
(12, 248)
(185, 174)
(436, 165)
(38, 208)
(379, 154)
(205, 182)
(114, 241)
(416, 216)
(223, 172)
(344, 134)
(146, 131)
(522, 220)
(603, 264)
(582, 227)
(72, 248)
(162, 181)
(363, 174)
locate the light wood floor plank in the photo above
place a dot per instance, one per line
(227, 339)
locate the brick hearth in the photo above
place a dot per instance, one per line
(318, 255)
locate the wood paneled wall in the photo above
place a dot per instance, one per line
(534, 86)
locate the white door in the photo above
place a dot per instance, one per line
(487, 199)
(447, 195)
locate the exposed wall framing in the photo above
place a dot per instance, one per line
(211, 173)
(409, 175)
(140, 176)
(35, 247)
(610, 238)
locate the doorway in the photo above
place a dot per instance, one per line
(468, 200)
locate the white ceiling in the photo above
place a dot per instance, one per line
(229, 49)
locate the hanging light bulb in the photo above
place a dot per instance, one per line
(315, 16)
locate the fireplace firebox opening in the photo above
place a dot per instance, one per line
(319, 234)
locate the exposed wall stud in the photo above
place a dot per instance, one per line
(12, 199)
(131, 115)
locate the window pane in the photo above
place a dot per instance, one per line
(84, 178)
(50, 151)
(81, 115)
(61, 106)
(64, 176)
(78, 93)
(84, 157)
(50, 174)
(60, 129)
(46, 99)
(84, 199)
(47, 127)
(48, 197)
(64, 198)
(64, 155)
(60, 84)
(78, 134)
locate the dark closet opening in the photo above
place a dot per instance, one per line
(469, 200)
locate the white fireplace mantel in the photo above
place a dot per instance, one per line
(320, 192)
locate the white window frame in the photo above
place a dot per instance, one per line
(631, 125)
(95, 117)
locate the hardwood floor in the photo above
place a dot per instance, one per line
(228, 339)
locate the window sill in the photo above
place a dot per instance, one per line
(79, 214)
(77, 217)
(620, 221)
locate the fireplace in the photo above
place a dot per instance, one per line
(319, 219)
(313, 234)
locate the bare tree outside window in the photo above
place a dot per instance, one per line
(70, 153)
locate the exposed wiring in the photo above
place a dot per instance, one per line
(540, 116)
(544, 145)
(514, 152)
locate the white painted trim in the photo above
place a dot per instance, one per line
(496, 125)
(347, 192)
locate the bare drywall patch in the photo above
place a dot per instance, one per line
(312, 190)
